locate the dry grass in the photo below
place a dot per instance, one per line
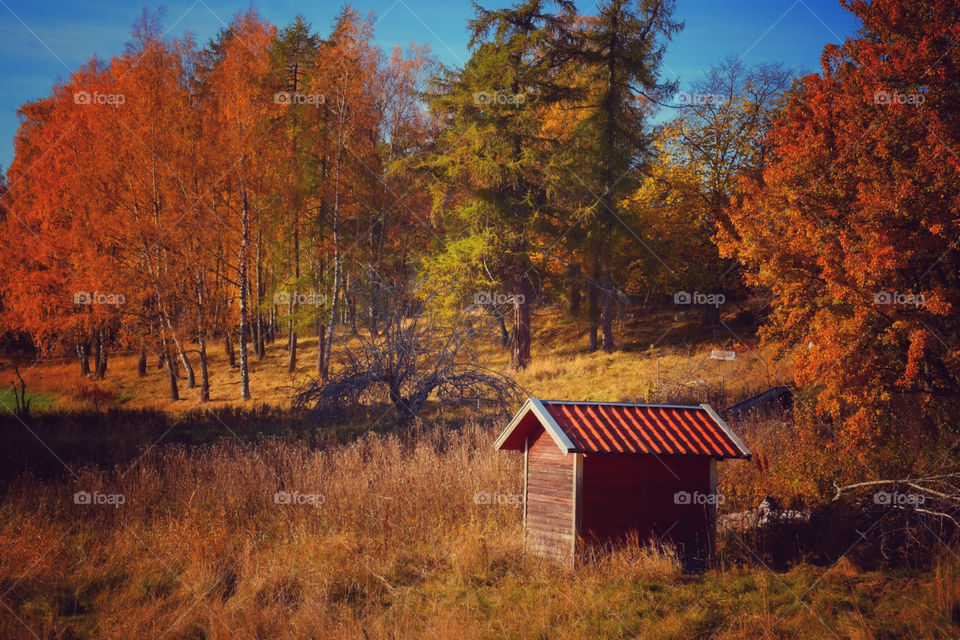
(398, 549)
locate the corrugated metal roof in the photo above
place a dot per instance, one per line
(616, 427)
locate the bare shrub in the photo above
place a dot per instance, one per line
(414, 357)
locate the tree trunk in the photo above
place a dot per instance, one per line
(244, 295)
(83, 352)
(181, 354)
(191, 376)
(100, 358)
(292, 329)
(504, 334)
(259, 340)
(321, 343)
(202, 336)
(259, 345)
(292, 349)
(142, 363)
(350, 297)
(573, 304)
(374, 310)
(593, 308)
(325, 369)
(97, 354)
(520, 345)
(607, 314)
(204, 373)
(171, 372)
(609, 198)
(228, 347)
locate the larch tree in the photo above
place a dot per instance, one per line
(490, 162)
(237, 136)
(621, 51)
(151, 178)
(294, 54)
(349, 78)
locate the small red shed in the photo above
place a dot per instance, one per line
(596, 471)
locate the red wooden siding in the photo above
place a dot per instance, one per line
(597, 472)
(623, 493)
(549, 521)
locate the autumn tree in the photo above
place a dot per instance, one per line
(193, 184)
(295, 52)
(490, 165)
(854, 225)
(621, 50)
(237, 134)
(151, 177)
(717, 139)
(349, 148)
(60, 263)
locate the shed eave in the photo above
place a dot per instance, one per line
(546, 421)
(744, 451)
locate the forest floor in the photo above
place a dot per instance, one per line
(660, 354)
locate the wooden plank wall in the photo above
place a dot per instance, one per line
(549, 530)
(629, 492)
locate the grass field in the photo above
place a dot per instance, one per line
(240, 520)
(393, 545)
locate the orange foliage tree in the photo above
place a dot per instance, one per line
(853, 225)
(156, 201)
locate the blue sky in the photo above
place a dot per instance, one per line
(43, 40)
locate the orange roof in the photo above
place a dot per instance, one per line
(620, 427)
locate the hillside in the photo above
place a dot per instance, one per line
(658, 343)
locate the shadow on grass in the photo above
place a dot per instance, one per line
(51, 442)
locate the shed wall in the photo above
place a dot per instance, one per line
(549, 530)
(624, 493)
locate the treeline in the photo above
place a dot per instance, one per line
(279, 182)
(177, 195)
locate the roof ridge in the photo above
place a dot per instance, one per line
(626, 404)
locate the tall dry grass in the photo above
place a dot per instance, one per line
(399, 548)
(201, 548)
